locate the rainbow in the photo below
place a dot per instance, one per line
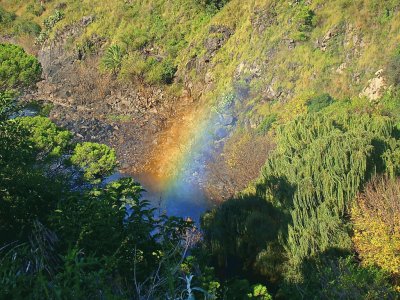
(176, 174)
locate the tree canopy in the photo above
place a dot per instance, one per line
(17, 68)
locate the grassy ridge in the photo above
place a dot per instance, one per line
(278, 39)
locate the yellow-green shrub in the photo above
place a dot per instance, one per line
(376, 219)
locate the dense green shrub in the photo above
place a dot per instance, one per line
(325, 159)
(46, 136)
(317, 103)
(97, 160)
(53, 19)
(305, 21)
(17, 68)
(7, 104)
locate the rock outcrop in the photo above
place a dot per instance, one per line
(375, 88)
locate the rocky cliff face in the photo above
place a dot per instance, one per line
(98, 107)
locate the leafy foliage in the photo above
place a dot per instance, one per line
(260, 292)
(319, 165)
(317, 103)
(377, 224)
(97, 242)
(22, 27)
(53, 19)
(35, 9)
(236, 233)
(304, 20)
(112, 58)
(44, 134)
(97, 160)
(17, 68)
(7, 104)
(267, 123)
(341, 278)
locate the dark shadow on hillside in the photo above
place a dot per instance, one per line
(238, 231)
(278, 187)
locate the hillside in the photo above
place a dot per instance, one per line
(274, 124)
(267, 57)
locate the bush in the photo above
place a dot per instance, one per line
(133, 66)
(319, 102)
(27, 27)
(17, 68)
(305, 21)
(49, 23)
(168, 70)
(112, 59)
(160, 72)
(320, 163)
(53, 19)
(135, 39)
(7, 104)
(96, 160)
(376, 218)
(35, 9)
(45, 135)
(236, 231)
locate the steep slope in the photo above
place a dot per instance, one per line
(288, 108)
(267, 58)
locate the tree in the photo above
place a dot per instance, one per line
(17, 68)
